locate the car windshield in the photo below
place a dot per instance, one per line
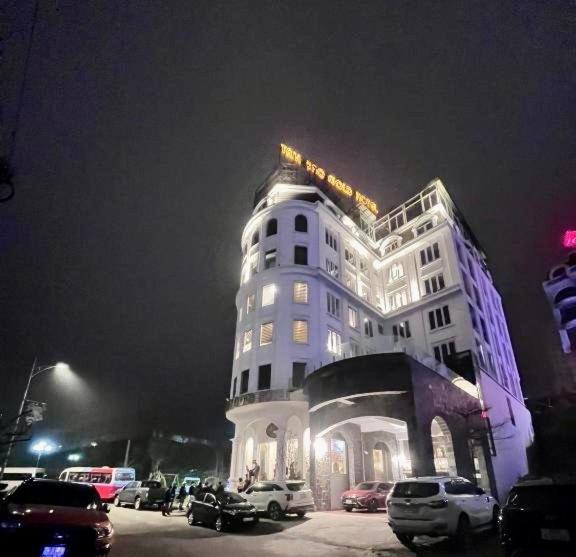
(415, 489)
(55, 493)
(295, 486)
(127, 476)
(543, 496)
(366, 486)
(151, 484)
(228, 498)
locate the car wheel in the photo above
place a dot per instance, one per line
(348, 509)
(274, 511)
(219, 524)
(138, 504)
(117, 501)
(191, 519)
(495, 517)
(406, 540)
(462, 537)
(373, 506)
(301, 514)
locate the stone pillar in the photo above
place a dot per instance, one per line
(280, 471)
(234, 475)
(421, 449)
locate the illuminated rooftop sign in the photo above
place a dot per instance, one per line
(569, 239)
(294, 157)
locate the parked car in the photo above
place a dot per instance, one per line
(369, 496)
(538, 519)
(222, 513)
(277, 498)
(14, 476)
(439, 506)
(49, 518)
(141, 494)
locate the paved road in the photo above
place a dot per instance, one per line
(334, 534)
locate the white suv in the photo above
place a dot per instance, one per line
(277, 498)
(439, 506)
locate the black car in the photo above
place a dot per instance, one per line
(538, 519)
(222, 512)
(48, 518)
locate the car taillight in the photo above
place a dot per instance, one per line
(439, 504)
(289, 497)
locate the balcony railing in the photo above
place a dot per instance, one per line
(272, 395)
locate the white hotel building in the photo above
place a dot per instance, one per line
(370, 347)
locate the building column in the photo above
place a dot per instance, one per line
(233, 460)
(280, 470)
(421, 449)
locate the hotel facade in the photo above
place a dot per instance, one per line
(369, 347)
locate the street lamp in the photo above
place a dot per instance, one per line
(59, 368)
(41, 447)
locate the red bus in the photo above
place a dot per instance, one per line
(107, 481)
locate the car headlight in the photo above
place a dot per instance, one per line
(103, 530)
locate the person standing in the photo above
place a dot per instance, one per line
(166, 504)
(181, 497)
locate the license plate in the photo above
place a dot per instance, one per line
(555, 534)
(53, 551)
(348, 501)
(250, 519)
(410, 510)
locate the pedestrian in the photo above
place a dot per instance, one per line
(181, 497)
(166, 503)
(240, 485)
(219, 490)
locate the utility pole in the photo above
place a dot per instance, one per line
(127, 454)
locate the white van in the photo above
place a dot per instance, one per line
(13, 477)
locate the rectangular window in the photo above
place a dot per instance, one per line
(250, 303)
(300, 255)
(380, 329)
(350, 256)
(395, 244)
(298, 374)
(363, 266)
(434, 284)
(439, 317)
(264, 374)
(247, 341)
(300, 292)
(333, 305)
(429, 254)
(244, 381)
(331, 240)
(300, 331)
(368, 328)
(423, 228)
(234, 385)
(363, 289)
(396, 271)
(266, 333)
(353, 317)
(350, 280)
(443, 351)
(402, 329)
(268, 295)
(332, 268)
(270, 259)
(334, 342)
(354, 349)
(397, 300)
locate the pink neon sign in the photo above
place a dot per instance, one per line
(569, 240)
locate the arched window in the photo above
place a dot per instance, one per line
(272, 227)
(255, 238)
(301, 223)
(444, 461)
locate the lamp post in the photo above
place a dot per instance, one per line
(41, 447)
(34, 372)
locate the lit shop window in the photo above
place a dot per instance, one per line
(268, 295)
(300, 292)
(353, 317)
(250, 303)
(332, 268)
(300, 331)
(396, 272)
(266, 333)
(270, 259)
(247, 341)
(333, 305)
(429, 254)
(434, 284)
(334, 344)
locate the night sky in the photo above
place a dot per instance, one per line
(146, 126)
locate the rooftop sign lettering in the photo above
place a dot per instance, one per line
(294, 157)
